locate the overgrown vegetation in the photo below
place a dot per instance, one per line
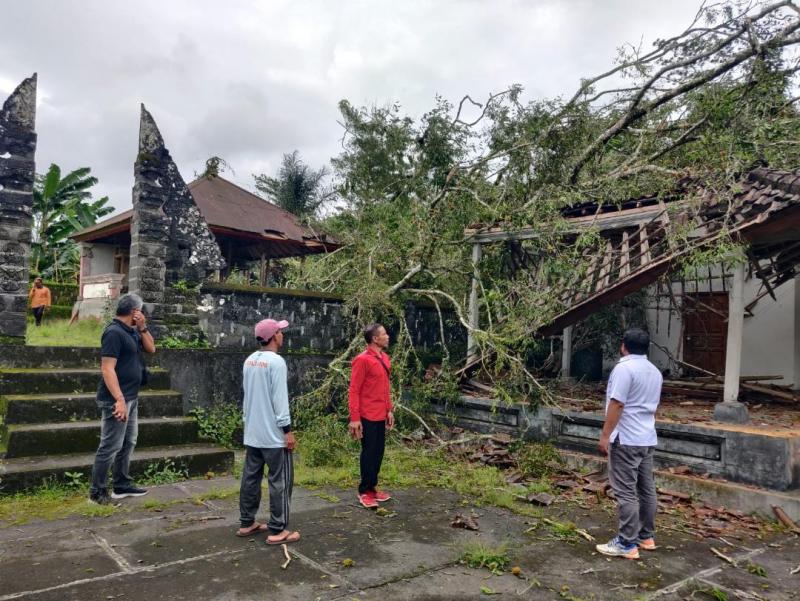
(61, 207)
(697, 109)
(58, 332)
(220, 423)
(165, 472)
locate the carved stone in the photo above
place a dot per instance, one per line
(17, 173)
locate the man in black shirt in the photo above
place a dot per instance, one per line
(117, 397)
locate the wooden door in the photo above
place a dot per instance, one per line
(705, 330)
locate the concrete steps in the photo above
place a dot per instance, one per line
(28, 440)
(52, 407)
(29, 472)
(64, 380)
(49, 420)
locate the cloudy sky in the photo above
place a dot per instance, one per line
(249, 80)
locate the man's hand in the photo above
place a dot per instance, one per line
(356, 430)
(139, 320)
(602, 444)
(291, 441)
(120, 411)
(390, 420)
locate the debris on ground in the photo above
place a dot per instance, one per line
(469, 522)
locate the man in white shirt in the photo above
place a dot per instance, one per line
(268, 437)
(629, 440)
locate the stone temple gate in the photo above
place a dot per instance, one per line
(17, 172)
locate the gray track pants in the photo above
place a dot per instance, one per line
(630, 473)
(280, 479)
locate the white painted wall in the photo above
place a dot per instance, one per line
(771, 337)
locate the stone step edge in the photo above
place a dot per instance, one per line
(28, 473)
(63, 396)
(10, 371)
(747, 498)
(92, 424)
(33, 463)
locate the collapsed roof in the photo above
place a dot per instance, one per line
(640, 248)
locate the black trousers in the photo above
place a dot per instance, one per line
(38, 313)
(372, 445)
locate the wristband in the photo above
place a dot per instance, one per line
(286, 429)
(144, 331)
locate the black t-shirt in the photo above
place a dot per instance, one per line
(122, 343)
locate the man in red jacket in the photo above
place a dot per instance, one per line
(371, 411)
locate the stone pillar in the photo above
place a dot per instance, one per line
(17, 172)
(730, 409)
(170, 239)
(474, 313)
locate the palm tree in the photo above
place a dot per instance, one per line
(61, 207)
(297, 188)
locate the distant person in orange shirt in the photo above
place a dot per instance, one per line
(371, 411)
(39, 298)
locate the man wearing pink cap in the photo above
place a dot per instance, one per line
(268, 437)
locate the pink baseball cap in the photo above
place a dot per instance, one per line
(267, 328)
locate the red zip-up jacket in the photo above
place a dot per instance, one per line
(370, 387)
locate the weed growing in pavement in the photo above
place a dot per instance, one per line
(165, 472)
(479, 555)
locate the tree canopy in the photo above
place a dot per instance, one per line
(61, 207)
(297, 188)
(705, 105)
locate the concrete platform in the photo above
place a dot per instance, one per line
(186, 550)
(769, 458)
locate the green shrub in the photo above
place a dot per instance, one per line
(538, 459)
(325, 442)
(165, 472)
(220, 423)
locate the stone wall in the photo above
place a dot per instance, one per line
(426, 330)
(17, 173)
(319, 322)
(208, 376)
(228, 314)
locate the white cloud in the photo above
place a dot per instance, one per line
(249, 80)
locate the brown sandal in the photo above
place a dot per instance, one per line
(292, 537)
(256, 528)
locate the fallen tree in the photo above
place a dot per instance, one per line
(703, 106)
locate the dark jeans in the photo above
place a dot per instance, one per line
(280, 464)
(630, 473)
(38, 313)
(117, 441)
(372, 445)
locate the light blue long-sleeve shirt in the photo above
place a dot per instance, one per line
(266, 400)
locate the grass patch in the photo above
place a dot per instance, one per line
(58, 332)
(48, 502)
(216, 493)
(479, 555)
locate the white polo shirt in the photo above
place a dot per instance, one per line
(636, 383)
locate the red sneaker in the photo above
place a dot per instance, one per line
(381, 496)
(367, 500)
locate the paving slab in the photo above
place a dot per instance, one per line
(168, 545)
